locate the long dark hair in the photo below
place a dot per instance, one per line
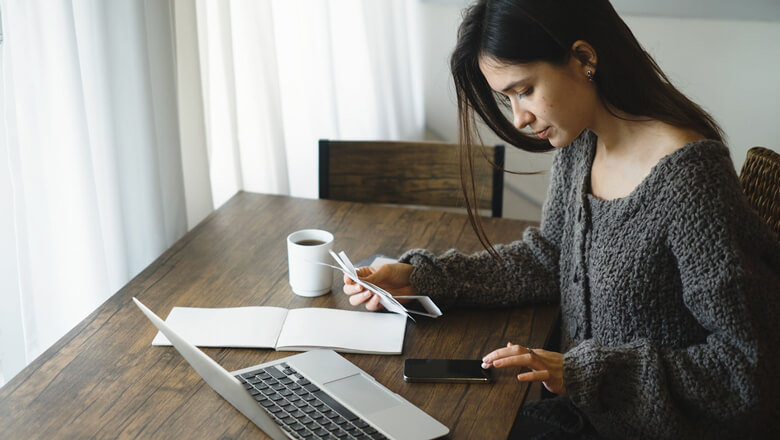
(524, 31)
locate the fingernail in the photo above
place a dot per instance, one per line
(485, 359)
(367, 293)
(485, 365)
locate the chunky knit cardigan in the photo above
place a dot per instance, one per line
(670, 296)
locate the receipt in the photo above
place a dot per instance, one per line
(390, 303)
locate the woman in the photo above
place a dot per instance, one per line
(667, 282)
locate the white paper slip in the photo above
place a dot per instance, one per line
(421, 305)
(288, 329)
(385, 298)
(424, 305)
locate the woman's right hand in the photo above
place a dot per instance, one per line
(393, 277)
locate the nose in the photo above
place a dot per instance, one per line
(520, 116)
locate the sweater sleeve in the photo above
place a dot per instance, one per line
(726, 384)
(529, 271)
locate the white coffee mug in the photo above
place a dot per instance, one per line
(305, 249)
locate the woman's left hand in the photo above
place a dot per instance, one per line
(546, 366)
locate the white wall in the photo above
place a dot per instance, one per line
(730, 67)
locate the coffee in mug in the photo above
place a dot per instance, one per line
(310, 242)
(305, 249)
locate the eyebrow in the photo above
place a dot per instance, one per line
(514, 84)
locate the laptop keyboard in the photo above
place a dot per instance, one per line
(301, 408)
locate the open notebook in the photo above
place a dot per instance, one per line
(288, 329)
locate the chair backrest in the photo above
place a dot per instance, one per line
(407, 173)
(760, 179)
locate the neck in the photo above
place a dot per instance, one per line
(616, 135)
(637, 138)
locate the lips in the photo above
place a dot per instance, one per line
(543, 133)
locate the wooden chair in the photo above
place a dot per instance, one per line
(760, 179)
(407, 173)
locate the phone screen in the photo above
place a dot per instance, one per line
(445, 370)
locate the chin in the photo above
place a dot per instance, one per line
(560, 141)
(557, 144)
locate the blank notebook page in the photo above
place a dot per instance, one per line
(351, 330)
(240, 327)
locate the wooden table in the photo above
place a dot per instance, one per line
(105, 380)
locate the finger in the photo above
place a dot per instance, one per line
(534, 376)
(373, 304)
(487, 361)
(522, 360)
(360, 298)
(351, 289)
(365, 271)
(362, 272)
(509, 350)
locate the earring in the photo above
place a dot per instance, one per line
(590, 76)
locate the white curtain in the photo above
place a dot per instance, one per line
(124, 123)
(90, 171)
(278, 75)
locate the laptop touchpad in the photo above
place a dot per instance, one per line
(362, 394)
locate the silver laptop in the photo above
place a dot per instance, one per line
(316, 394)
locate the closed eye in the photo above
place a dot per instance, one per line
(525, 93)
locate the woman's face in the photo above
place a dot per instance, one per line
(556, 102)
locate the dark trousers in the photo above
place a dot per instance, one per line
(554, 417)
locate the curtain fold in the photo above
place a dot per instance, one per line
(92, 176)
(12, 337)
(192, 131)
(278, 75)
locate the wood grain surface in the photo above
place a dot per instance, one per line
(105, 380)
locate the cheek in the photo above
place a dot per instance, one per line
(580, 105)
(568, 112)
(546, 110)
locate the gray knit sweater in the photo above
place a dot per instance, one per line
(669, 297)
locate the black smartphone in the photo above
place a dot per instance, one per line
(445, 370)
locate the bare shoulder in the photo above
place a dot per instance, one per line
(674, 138)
